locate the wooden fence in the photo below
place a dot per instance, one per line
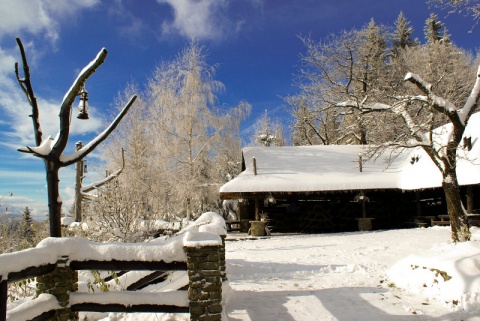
(57, 298)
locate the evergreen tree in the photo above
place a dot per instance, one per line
(432, 29)
(402, 36)
(268, 133)
(27, 227)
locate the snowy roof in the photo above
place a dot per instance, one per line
(324, 168)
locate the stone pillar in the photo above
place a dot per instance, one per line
(205, 283)
(60, 283)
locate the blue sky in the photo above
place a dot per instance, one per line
(254, 42)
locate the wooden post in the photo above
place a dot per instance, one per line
(78, 185)
(254, 166)
(360, 165)
(419, 204)
(3, 299)
(469, 199)
(364, 210)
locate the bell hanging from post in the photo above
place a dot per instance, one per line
(83, 105)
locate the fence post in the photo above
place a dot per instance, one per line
(60, 283)
(205, 283)
(3, 299)
(223, 267)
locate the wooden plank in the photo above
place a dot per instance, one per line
(152, 278)
(44, 316)
(114, 265)
(95, 307)
(442, 223)
(30, 272)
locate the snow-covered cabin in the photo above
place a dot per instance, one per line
(318, 188)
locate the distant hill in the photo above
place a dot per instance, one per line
(13, 217)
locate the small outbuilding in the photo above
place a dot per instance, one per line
(326, 188)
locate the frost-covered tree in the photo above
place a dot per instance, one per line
(117, 214)
(189, 128)
(433, 30)
(442, 94)
(268, 132)
(27, 229)
(446, 92)
(469, 7)
(179, 146)
(411, 109)
(442, 152)
(402, 35)
(347, 66)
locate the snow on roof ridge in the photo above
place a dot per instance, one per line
(318, 168)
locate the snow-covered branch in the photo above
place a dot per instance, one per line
(85, 150)
(472, 100)
(107, 179)
(69, 98)
(440, 104)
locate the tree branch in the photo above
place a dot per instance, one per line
(69, 98)
(104, 181)
(472, 102)
(85, 150)
(438, 103)
(27, 88)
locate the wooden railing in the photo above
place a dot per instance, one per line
(58, 259)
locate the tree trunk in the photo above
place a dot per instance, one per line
(54, 200)
(460, 230)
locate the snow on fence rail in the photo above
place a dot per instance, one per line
(199, 248)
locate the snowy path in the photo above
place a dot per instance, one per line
(329, 277)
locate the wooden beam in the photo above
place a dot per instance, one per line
(96, 307)
(112, 265)
(152, 278)
(30, 272)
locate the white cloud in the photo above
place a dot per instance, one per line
(38, 17)
(203, 19)
(16, 107)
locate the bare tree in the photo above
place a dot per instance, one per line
(442, 95)
(469, 7)
(348, 67)
(116, 214)
(443, 153)
(348, 80)
(51, 149)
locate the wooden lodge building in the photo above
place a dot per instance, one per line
(329, 188)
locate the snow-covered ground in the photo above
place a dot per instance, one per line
(410, 274)
(355, 276)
